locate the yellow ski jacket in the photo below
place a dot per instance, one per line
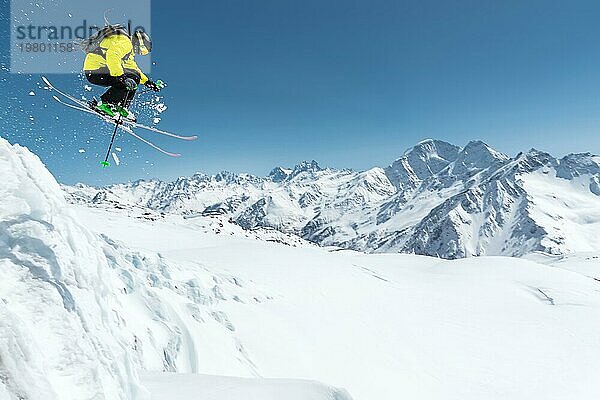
(117, 53)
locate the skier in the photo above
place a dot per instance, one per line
(111, 64)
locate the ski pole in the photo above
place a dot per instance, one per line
(105, 163)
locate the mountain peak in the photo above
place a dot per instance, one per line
(479, 145)
(431, 147)
(578, 164)
(279, 174)
(306, 166)
(426, 158)
(478, 155)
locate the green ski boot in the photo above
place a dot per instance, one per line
(125, 113)
(106, 109)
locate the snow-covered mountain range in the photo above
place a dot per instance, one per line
(125, 303)
(437, 199)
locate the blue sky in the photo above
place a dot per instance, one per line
(349, 83)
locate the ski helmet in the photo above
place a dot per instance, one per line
(141, 42)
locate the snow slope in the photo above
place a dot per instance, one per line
(437, 199)
(168, 386)
(80, 315)
(392, 326)
(587, 264)
(59, 338)
(92, 296)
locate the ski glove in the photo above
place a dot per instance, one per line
(154, 86)
(129, 83)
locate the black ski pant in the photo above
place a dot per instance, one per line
(117, 91)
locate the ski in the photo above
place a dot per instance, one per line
(68, 96)
(132, 133)
(124, 121)
(159, 131)
(89, 111)
(126, 129)
(77, 107)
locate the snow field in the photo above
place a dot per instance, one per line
(91, 298)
